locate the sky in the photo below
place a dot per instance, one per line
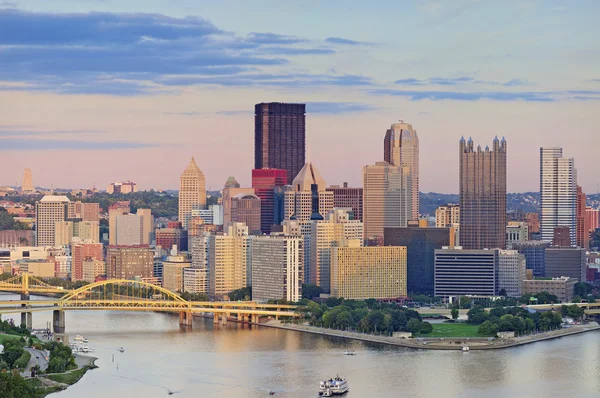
(95, 91)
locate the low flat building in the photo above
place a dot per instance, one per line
(39, 268)
(461, 272)
(562, 287)
(566, 261)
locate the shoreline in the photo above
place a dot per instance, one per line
(447, 344)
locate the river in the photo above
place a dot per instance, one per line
(242, 361)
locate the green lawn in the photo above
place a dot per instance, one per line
(69, 378)
(4, 337)
(453, 330)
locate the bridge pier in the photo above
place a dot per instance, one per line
(185, 318)
(215, 318)
(25, 316)
(58, 321)
(224, 318)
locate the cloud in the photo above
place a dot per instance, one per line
(273, 38)
(454, 81)
(337, 108)
(15, 131)
(347, 42)
(265, 79)
(531, 96)
(44, 144)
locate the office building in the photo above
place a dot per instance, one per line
(516, 231)
(347, 197)
(84, 211)
(63, 266)
(27, 186)
(114, 210)
(92, 269)
(48, 211)
(81, 252)
(566, 261)
(482, 195)
(245, 208)
(123, 187)
(192, 192)
(593, 218)
(561, 287)
(173, 269)
(277, 268)
(401, 148)
(562, 236)
(298, 199)
(511, 272)
(195, 280)
(268, 186)
(280, 137)
(231, 190)
(558, 193)
(447, 216)
(227, 260)
(37, 268)
(533, 225)
(147, 225)
(360, 273)
(535, 255)
(382, 199)
(12, 238)
(88, 231)
(582, 236)
(325, 234)
(127, 262)
(166, 238)
(63, 233)
(461, 272)
(420, 244)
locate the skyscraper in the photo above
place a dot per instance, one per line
(298, 200)
(382, 206)
(264, 183)
(27, 186)
(401, 148)
(232, 189)
(245, 208)
(347, 197)
(583, 233)
(558, 193)
(192, 192)
(482, 195)
(48, 211)
(280, 137)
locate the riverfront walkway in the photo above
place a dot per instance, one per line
(476, 343)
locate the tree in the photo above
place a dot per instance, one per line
(502, 292)
(243, 294)
(576, 299)
(464, 302)
(413, 325)
(311, 291)
(583, 289)
(454, 313)
(425, 328)
(477, 315)
(487, 328)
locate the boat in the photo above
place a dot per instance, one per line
(78, 338)
(84, 349)
(121, 349)
(334, 386)
(349, 353)
(465, 348)
(85, 340)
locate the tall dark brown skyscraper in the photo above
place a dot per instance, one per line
(482, 195)
(280, 137)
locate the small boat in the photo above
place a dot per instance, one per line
(271, 392)
(85, 340)
(121, 349)
(335, 386)
(78, 338)
(349, 353)
(84, 349)
(465, 348)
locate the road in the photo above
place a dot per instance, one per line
(37, 358)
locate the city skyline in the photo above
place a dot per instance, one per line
(528, 87)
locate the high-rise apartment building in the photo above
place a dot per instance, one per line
(92, 269)
(84, 211)
(27, 186)
(421, 244)
(228, 260)
(361, 272)
(63, 233)
(116, 209)
(173, 272)
(48, 211)
(347, 197)
(192, 192)
(245, 208)
(558, 193)
(482, 195)
(277, 268)
(81, 252)
(382, 199)
(298, 199)
(447, 216)
(127, 262)
(280, 137)
(583, 230)
(466, 272)
(264, 183)
(128, 229)
(511, 272)
(231, 190)
(401, 148)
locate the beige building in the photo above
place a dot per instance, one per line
(117, 209)
(516, 232)
(511, 272)
(173, 269)
(192, 192)
(228, 260)
(298, 199)
(48, 211)
(563, 287)
(63, 233)
(129, 261)
(39, 268)
(93, 268)
(325, 234)
(27, 186)
(382, 199)
(231, 190)
(447, 216)
(84, 211)
(89, 231)
(195, 280)
(368, 272)
(147, 225)
(277, 268)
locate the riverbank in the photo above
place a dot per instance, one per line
(50, 383)
(438, 344)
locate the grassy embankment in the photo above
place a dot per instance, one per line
(450, 330)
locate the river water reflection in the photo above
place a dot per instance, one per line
(239, 361)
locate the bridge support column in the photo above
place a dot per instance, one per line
(254, 318)
(224, 318)
(24, 315)
(185, 318)
(58, 321)
(215, 318)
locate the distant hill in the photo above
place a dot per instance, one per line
(526, 202)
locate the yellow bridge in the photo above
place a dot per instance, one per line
(128, 295)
